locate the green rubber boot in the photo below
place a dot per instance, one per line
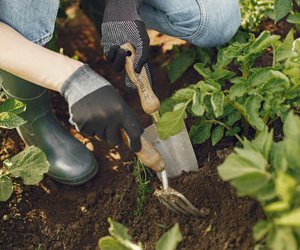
(70, 161)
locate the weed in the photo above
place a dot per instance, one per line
(141, 174)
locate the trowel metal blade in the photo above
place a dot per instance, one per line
(177, 151)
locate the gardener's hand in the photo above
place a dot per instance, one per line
(122, 24)
(97, 109)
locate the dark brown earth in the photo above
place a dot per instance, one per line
(53, 216)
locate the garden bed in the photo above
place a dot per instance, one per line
(53, 216)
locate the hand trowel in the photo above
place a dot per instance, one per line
(177, 151)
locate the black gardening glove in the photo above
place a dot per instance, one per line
(122, 24)
(97, 109)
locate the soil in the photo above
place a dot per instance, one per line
(54, 216)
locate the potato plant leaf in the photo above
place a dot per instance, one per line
(217, 103)
(251, 183)
(200, 132)
(260, 77)
(243, 162)
(167, 105)
(231, 115)
(290, 219)
(282, 8)
(110, 243)
(260, 229)
(170, 239)
(278, 158)
(10, 120)
(228, 54)
(12, 106)
(121, 240)
(277, 206)
(263, 142)
(283, 239)
(294, 18)
(284, 50)
(171, 123)
(217, 134)
(252, 106)
(237, 90)
(6, 188)
(291, 130)
(197, 107)
(264, 41)
(31, 165)
(120, 234)
(284, 186)
(180, 64)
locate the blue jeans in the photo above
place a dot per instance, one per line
(205, 23)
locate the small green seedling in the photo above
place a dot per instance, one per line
(141, 174)
(121, 240)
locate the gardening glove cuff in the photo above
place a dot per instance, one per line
(81, 83)
(96, 108)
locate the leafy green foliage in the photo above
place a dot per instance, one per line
(254, 11)
(184, 59)
(144, 190)
(9, 111)
(180, 64)
(121, 240)
(170, 239)
(225, 99)
(273, 179)
(30, 165)
(6, 187)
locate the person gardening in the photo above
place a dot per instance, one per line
(28, 69)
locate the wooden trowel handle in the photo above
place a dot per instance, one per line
(149, 100)
(148, 154)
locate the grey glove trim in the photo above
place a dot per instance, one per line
(81, 83)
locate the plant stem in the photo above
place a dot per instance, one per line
(225, 126)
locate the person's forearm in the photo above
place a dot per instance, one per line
(32, 62)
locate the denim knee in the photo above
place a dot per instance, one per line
(220, 19)
(204, 23)
(34, 19)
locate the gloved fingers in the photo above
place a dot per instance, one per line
(112, 135)
(88, 130)
(119, 62)
(142, 47)
(112, 53)
(134, 131)
(116, 56)
(142, 58)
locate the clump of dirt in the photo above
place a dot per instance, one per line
(54, 216)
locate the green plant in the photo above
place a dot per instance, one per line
(270, 172)
(29, 165)
(248, 97)
(253, 12)
(140, 173)
(183, 59)
(121, 240)
(283, 7)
